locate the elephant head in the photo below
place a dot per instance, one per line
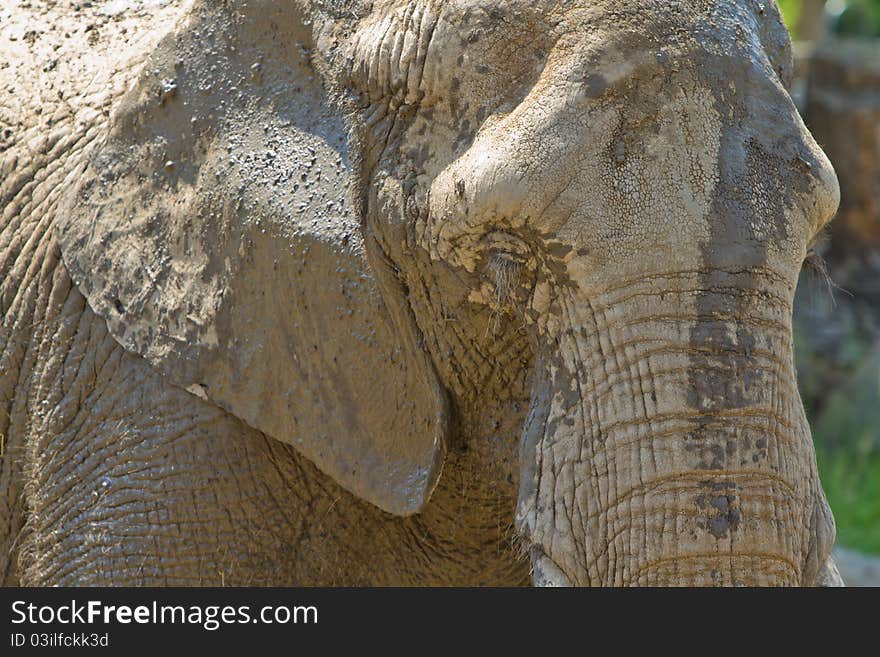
(342, 221)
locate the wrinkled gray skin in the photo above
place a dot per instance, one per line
(410, 293)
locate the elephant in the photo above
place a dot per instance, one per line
(408, 292)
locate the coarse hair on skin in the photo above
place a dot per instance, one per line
(505, 271)
(815, 264)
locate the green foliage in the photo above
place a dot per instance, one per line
(860, 18)
(847, 436)
(847, 17)
(851, 479)
(791, 13)
(851, 415)
(837, 353)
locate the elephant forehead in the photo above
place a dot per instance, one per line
(463, 64)
(651, 178)
(399, 34)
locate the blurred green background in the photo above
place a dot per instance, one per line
(847, 17)
(837, 333)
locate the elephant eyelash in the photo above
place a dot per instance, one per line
(506, 269)
(815, 263)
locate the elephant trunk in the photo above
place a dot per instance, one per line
(671, 447)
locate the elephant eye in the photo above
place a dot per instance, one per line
(507, 262)
(819, 240)
(505, 245)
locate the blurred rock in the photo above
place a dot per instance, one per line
(857, 569)
(843, 113)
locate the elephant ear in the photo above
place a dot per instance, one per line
(214, 232)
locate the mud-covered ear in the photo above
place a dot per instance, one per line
(215, 233)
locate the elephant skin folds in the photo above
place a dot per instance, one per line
(406, 292)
